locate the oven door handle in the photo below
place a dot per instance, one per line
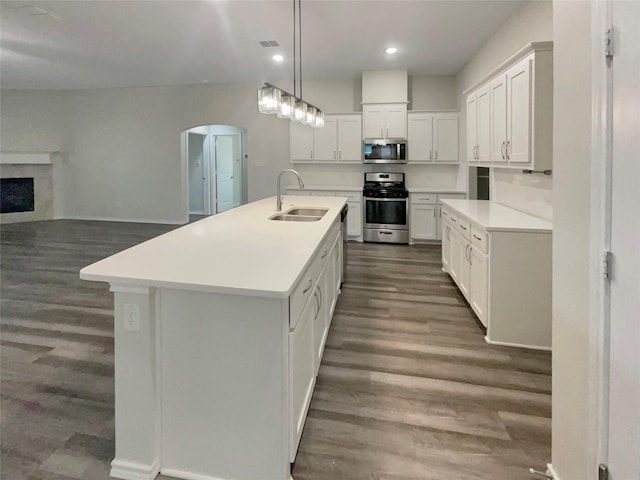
(373, 199)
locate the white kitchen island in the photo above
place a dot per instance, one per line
(219, 330)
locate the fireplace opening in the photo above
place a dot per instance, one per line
(16, 195)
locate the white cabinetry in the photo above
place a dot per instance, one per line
(423, 216)
(500, 259)
(432, 137)
(478, 125)
(384, 121)
(510, 115)
(339, 141)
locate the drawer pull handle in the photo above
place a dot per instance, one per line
(463, 227)
(324, 254)
(309, 287)
(477, 237)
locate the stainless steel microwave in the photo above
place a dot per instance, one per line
(384, 151)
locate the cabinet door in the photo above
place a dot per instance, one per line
(325, 141)
(455, 258)
(396, 121)
(301, 374)
(420, 137)
(301, 142)
(350, 139)
(483, 141)
(423, 222)
(519, 113)
(321, 318)
(445, 135)
(446, 246)
(354, 219)
(478, 283)
(472, 127)
(463, 271)
(373, 118)
(498, 119)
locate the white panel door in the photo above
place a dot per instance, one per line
(518, 144)
(498, 119)
(478, 283)
(472, 127)
(445, 136)
(483, 152)
(197, 175)
(624, 360)
(350, 138)
(373, 121)
(325, 141)
(396, 120)
(225, 158)
(420, 137)
(423, 222)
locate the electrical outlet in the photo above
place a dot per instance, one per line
(131, 317)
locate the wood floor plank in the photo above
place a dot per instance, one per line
(408, 388)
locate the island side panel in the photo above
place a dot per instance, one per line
(520, 289)
(137, 412)
(224, 386)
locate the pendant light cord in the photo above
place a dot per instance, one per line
(295, 86)
(300, 41)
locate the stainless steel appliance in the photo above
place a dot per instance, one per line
(386, 206)
(384, 151)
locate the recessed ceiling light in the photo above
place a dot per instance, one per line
(278, 58)
(391, 50)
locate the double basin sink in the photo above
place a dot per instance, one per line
(300, 215)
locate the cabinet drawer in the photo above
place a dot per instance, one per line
(303, 291)
(423, 198)
(479, 239)
(464, 228)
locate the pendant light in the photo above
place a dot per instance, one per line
(272, 99)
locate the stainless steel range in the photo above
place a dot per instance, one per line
(386, 203)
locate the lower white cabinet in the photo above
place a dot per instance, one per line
(302, 373)
(424, 215)
(503, 269)
(354, 219)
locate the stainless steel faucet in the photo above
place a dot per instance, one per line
(278, 196)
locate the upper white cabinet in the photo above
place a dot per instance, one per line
(384, 121)
(432, 137)
(338, 141)
(510, 115)
(478, 122)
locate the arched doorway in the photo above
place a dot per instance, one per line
(215, 156)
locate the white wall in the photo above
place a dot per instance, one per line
(531, 22)
(571, 230)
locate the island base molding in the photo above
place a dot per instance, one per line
(134, 471)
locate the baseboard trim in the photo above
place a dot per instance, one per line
(134, 471)
(171, 472)
(553, 472)
(518, 345)
(127, 220)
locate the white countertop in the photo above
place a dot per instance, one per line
(339, 188)
(434, 190)
(495, 217)
(239, 251)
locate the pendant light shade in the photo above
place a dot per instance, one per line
(268, 99)
(319, 119)
(300, 112)
(311, 116)
(287, 106)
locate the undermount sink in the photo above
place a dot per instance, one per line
(295, 218)
(313, 212)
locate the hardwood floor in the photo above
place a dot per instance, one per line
(407, 389)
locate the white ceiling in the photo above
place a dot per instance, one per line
(95, 43)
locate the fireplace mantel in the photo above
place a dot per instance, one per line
(26, 158)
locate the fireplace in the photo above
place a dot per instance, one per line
(16, 195)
